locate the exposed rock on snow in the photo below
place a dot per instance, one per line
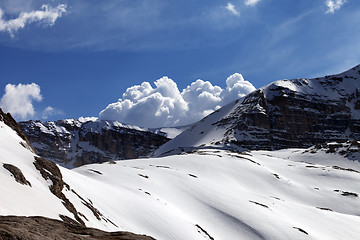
(10, 121)
(49, 171)
(348, 149)
(16, 172)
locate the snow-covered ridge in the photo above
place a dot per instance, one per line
(61, 127)
(330, 87)
(283, 114)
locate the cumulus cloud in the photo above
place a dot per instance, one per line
(236, 87)
(334, 5)
(18, 99)
(251, 2)
(47, 15)
(166, 106)
(231, 8)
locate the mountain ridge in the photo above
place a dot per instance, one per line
(72, 142)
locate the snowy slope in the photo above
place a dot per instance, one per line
(206, 194)
(19, 199)
(284, 114)
(169, 132)
(223, 195)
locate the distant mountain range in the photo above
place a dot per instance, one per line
(72, 142)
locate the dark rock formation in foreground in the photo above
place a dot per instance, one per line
(72, 143)
(41, 228)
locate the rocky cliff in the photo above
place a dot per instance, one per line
(72, 142)
(285, 114)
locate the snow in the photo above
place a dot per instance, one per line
(99, 125)
(227, 193)
(51, 128)
(170, 132)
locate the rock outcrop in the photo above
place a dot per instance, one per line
(41, 228)
(10, 121)
(72, 143)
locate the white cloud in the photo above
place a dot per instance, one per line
(231, 8)
(334, 5)
(251, 2)
(50, 111)
(18, 100)
(165, 105)
(47, 15)
(236, 87)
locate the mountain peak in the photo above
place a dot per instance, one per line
(286, 113)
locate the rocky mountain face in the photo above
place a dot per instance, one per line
(285, 114)
(72, 143)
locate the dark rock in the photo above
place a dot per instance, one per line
(301, 230)
(41, 228)
(16, 172)
(49, 170)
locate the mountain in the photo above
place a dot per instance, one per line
(75, 142)
(284, 114)
(206, 194)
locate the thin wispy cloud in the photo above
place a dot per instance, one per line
(251, 2)
(231, 8)
(50, 111)
(334, 5)
(47, 16)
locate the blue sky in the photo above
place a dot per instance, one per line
(85, 54)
